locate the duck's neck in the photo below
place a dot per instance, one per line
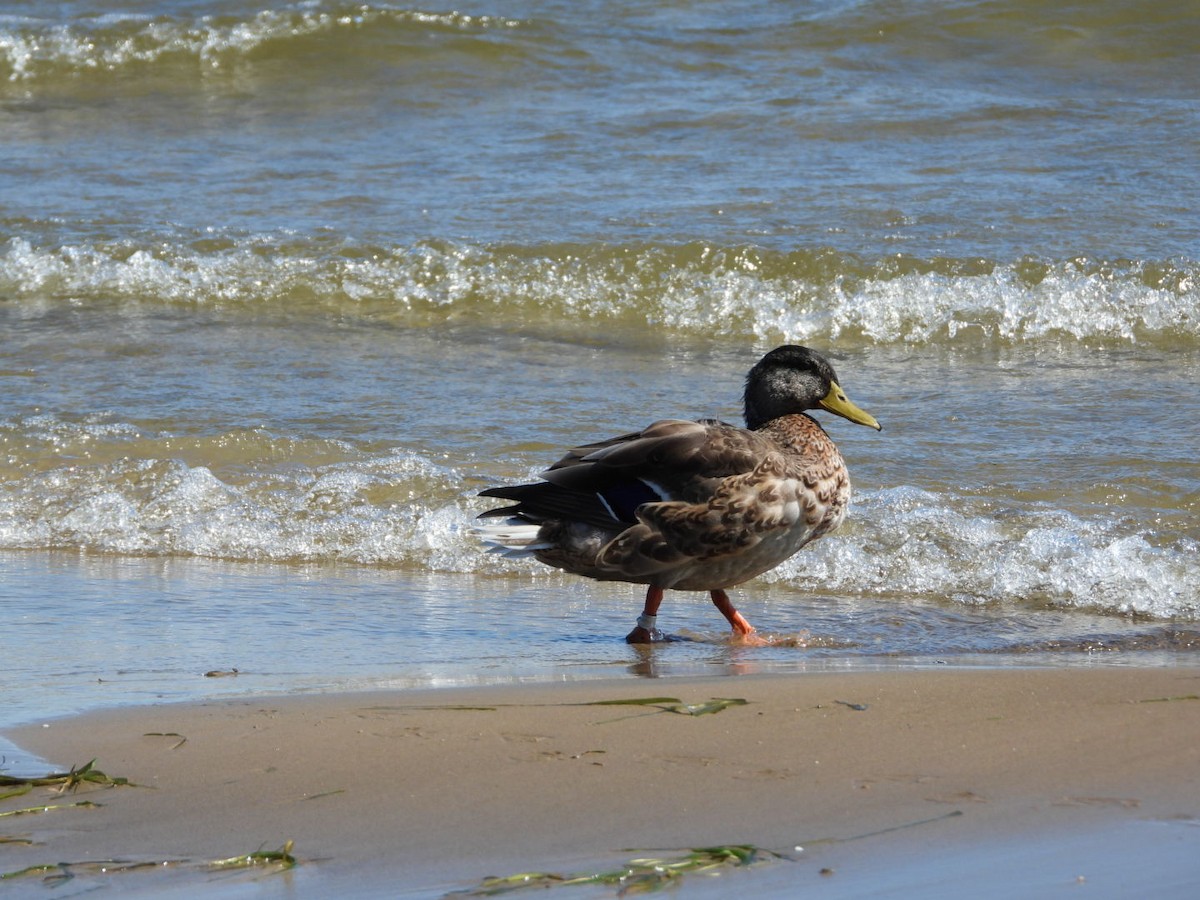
(795, 431)
(760, 415)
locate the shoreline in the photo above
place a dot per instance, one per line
(434, 789)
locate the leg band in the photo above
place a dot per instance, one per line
(647, 622)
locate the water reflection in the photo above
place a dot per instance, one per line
(85, 632)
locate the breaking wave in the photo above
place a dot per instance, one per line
(694, 289)
(36, 49)
(110, 487)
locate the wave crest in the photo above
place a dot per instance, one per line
(110, 487)
(32, 48)
(908, 542)
(698, 290)
(245, 495)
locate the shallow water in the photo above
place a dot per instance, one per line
(282, 287)
(90, 632)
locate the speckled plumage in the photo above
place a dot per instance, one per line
(698, 506)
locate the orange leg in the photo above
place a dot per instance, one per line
(645, 632)
(654, 596)
(722, 602)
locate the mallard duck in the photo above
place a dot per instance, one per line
(693, 506)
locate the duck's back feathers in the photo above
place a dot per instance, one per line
(604, 483)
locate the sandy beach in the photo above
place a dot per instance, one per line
(421, 793)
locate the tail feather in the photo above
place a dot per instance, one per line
(541, 501)
(512, 538)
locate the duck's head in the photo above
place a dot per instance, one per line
(792, 379)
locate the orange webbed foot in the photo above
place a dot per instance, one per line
(744, 633)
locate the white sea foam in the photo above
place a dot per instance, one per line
(402, 508)
(1069, 301)
(904, 541)
(676, 289)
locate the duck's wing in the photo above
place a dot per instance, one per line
(671, 453)
(604, 483)
(684, 492)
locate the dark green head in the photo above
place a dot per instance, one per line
(792, 379)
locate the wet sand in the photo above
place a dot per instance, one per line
(872, 774)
